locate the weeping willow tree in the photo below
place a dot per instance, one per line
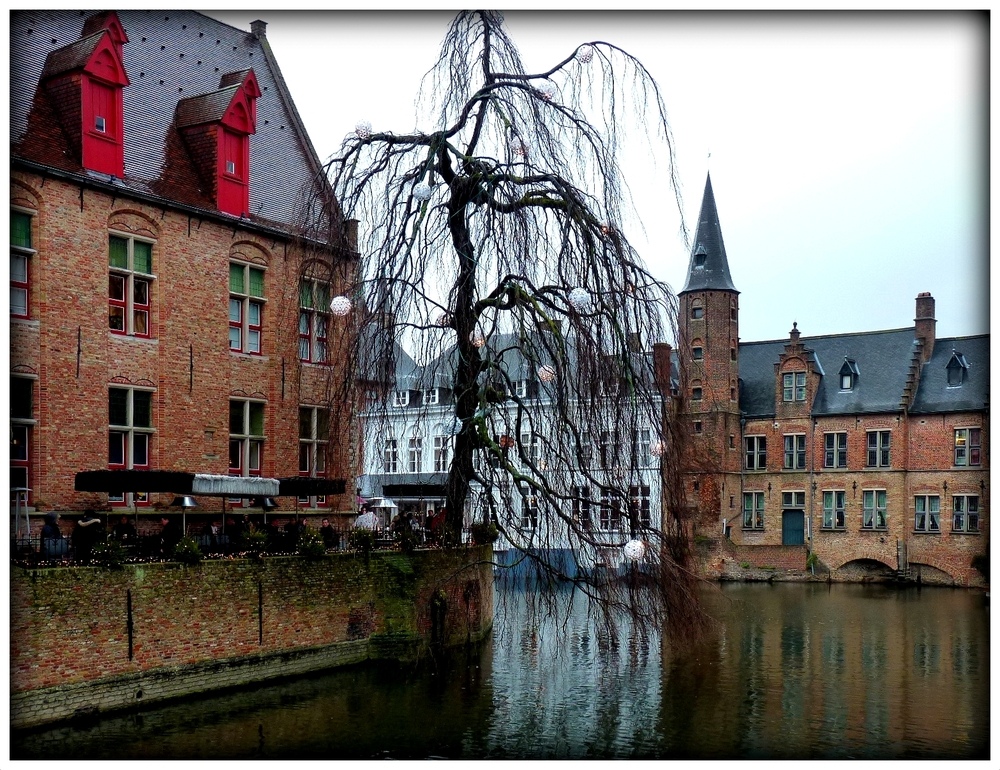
(493, 252)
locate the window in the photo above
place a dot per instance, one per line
(246, 307)
(314, 321)
(957, 368)
(130, 430)
(968, 449)
(835, 450)
(793, 500)
(697, 312)
(21, 427)
(131, 274)
(521, 388)
(697, 427)
(246, 437)
(390, 456)
(529, 508)
(697, 353)
(641, 448)
(581, 507)
(415, 454)
(611, 511)
(638, 504)
(755, 453)
(696, 394)
(848, 374)
(795, 452)
(608, 449)
(401, 398)
(753, 510)
(927, 513)
(531, 447)
(431, 397)
(965, 513)
(874, 509)
(878, 448)
(442, 453)
(793, 386)
(314, 439)
(20, 256)
(834, 505)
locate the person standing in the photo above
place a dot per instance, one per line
(170, 536)
(88, 531)
(328, 534)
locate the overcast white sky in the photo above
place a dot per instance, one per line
(849, 152)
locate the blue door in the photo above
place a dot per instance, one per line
(793, 530)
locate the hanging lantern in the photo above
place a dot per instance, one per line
(506, 442)
(478, 340)
(340, 305)
(363, 129)
(634, 550)
(519, 147)
(547, 90)
(585, 53)
(546, 373)
(422, 191)
(580, 300)
(656, 449)
(444, 319)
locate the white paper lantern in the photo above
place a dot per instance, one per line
(363, 129)
(656, 449)
(519, 147)
(478, 340)
(634, 550)
(546, 373)
(585, 54)
(422, 191)
(580, 299)
(444, 319)
(340, 305)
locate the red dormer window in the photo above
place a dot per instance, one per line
(102, 88)
(238, 122)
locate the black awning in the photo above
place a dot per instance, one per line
(304, 486)
(175, 482)
(414, 490)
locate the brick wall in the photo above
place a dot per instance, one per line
(228, 622)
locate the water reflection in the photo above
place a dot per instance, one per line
(791, 671)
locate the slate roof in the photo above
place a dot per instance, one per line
(883, 360)
(709, 266)
(171, 55)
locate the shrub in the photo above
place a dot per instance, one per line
(109, 554)
(255, 543)
(187, 551)
(484, 532)
(311, 545)
(362, 540)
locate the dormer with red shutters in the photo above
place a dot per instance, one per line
(216, 128)
(85, 81)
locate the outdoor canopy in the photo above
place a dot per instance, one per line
(212, 485)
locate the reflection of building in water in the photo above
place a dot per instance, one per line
(842, 671)
(871, 448)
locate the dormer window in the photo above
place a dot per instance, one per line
(699, 257)
(848, 374)
(402, 398)
(431, 396)
(958, 368)
(100, 125)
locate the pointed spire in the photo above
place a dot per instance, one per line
(709, 268)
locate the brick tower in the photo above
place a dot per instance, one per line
(708, 357)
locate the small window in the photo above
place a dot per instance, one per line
(878, 448)
(848, 374)
(927, 513)
(696, 394)
(793, 386)
(431, 396)
(314, 321)
(99, 125)
(755, 453)
(958, 367)
(390, 456)
(401, 398)
(697, 353)
(697, 426)
(697, 312)
(230, 167)
(835, 450)
(20, 258)
(130, 263)
(753, 510)
(246, 308)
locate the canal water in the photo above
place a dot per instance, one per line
(791, 671)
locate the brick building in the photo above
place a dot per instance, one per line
(869, 449)
(174, 249)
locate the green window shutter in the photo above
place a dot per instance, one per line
(118, 252)
(20, 229)
(236, 273)
(256, 282)
(142, 257)
(305, 294)
(256, 419)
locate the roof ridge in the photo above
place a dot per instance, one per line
(804, 339)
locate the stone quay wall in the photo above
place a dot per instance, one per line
(86, 640)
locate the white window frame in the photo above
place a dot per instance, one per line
(442, 452)
(401, 398)
(582, 504)
(927, 513)
(755, 453)
(390, 455)
(873, 515)
(131, 436)
(753, 514)
(313, 446)
(965, 450)
(834, 509)
(314, 321)
(639, 498)
(249, 445)
(131, 279)
(528, 519)
(431, 397)
(22, 255)
(415, 454)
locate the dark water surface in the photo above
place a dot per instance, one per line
(793, 671)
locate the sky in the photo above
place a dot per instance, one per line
(848, 152)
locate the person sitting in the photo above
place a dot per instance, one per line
(124, 531)
(367, 519)
(53, 544)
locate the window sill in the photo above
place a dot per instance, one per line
(963, 532)
(961, 467)
(752, 529)
(131, 337)
(878, 530)
(25, 320)
(252, 356)
(833, 529)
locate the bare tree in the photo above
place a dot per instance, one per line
(496, 242)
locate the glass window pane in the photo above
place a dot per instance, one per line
(235, 455)
(142, 257)
(235, 338)
(253, 313)
(140, 324)
(304, 323)
(118, 252)
(305, 294)
(305, 423)
(304, 451)
(142, 409)
(253, 341)
(320, 459)
(323, 296)
(236, 427)
(21, 389)
(304, 348)
(322, 424)
(256, 419)
(116, 319)
(116, 287)
(18, 443)
(117, 406)
(140, 449)
(256, 282)
(20, 229)
(236, 279)
(140, 292)
(256, 449)
(19, 268)
(18, 301)
(235, 310)
(116, 448)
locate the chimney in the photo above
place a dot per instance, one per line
(661, 367)
(258, 29)
(351, 233)
(924, 324)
